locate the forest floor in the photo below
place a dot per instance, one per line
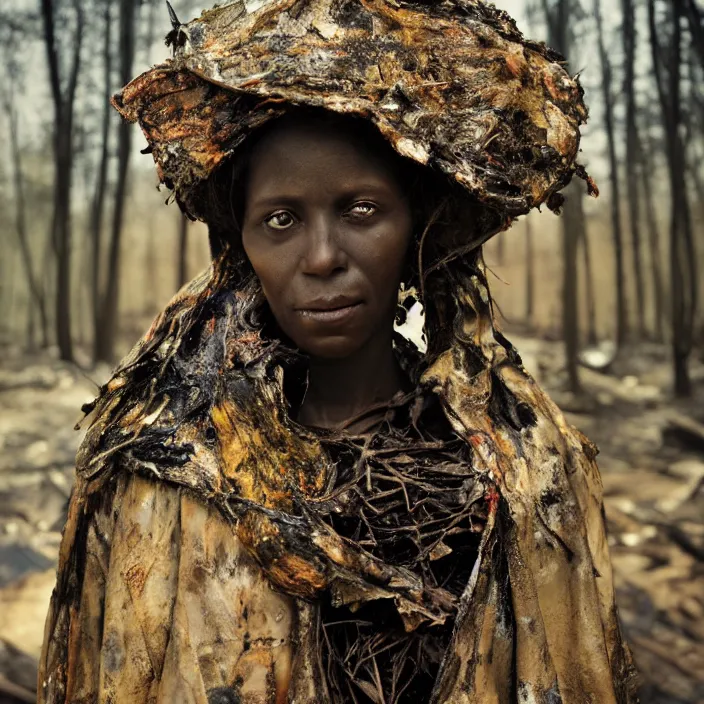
(652, 463)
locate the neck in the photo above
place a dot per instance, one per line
(340, 389)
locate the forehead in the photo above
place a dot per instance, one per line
(299, 151)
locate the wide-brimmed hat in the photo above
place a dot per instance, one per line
(450, 84)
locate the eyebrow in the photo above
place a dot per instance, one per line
(294, 199)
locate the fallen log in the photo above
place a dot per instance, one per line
(11, 692)
(18, 674)
(684, 431)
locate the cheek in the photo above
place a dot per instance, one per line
(269, 266)
(386, 262)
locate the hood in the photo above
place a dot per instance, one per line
(452, 85)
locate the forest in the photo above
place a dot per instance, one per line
(71, 178)
(605, 302)
(72, 173)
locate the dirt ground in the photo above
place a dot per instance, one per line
(652, 462)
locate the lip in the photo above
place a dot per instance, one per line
(330, 303)
(330, 310)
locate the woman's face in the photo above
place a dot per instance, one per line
(326, 228)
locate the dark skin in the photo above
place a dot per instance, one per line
(327, 229)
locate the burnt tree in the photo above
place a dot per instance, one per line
(530, 274)
(666, 42)
(557, 16)
(13, 31)
(63, 94)
(182, 262)
(632, 156)
(590, 295)
(646, 167)
(105, 338)
(98, 203)
(617, 231)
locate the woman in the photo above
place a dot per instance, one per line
(279, 499)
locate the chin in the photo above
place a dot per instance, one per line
(333, 347)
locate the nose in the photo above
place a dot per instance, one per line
(323, 255)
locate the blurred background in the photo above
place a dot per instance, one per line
(602, 301)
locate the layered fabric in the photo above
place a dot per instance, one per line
(199, 545)
(451, 84)
(210, 536)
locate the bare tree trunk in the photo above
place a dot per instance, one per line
(693, 171)
(182, 275)
(588, 274)
(106, 339)
(31, 328)
(151, 266)
(151, 25)
(693, 119)
(557, 17)
(63, 100)
(530, 274)
(682, 255)
(632, 142)
(36, 293)
(9, 287)
(97, 209)
(606, 82)
(6, 283)
(654, 243)
(695, 17)
(151, 304)
(570, 307)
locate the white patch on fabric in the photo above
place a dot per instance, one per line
(327, 30)
(256, 5)
(412, 329)
(413, 150)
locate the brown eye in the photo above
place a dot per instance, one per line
(280, 220)
(362, 210)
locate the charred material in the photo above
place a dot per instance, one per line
(199, 405)
(452, 85)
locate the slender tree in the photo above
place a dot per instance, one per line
(105, 347)
(151, 301)
(617, 232)
(530, 274)
(632, 155)
(98, 203)
(63, 93)
(12, 36)
(695, 17)
(694, 125)
(666, 48)
(558, 15)
(182, 263)
(583, 241)
(645, 164)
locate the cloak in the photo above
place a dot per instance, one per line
(198, 546)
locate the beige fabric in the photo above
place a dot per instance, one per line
(173, 587)
(172, 609)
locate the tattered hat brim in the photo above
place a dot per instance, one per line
(452, 85)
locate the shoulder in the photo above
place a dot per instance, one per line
(153, 589)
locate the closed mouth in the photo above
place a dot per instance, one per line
(330, 313)
(330, 304)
